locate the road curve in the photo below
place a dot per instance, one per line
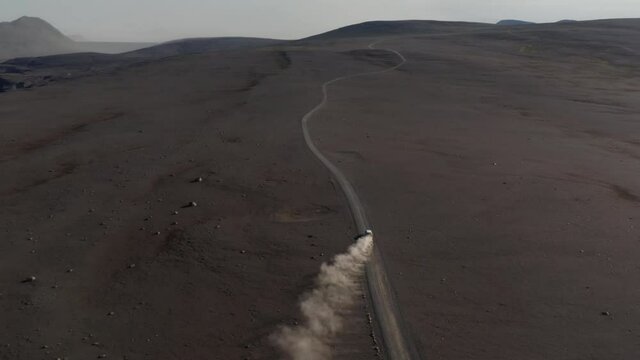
(393, 339)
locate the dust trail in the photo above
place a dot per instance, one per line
(337, 287)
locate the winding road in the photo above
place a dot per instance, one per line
(393, 338)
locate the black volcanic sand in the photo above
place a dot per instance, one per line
(501, 172)
(93, 170)
(499, 168)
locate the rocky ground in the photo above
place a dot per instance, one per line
(500, 170)
(169, 209)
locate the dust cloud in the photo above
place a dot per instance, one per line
(337, 287)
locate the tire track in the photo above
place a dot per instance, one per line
(391, 334)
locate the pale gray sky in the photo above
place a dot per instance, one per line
(158, 20)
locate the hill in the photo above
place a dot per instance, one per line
(497, 165)
(172, 48)
(109, 47)
(511, 22)
(25, 72)
(29, 36)
(201, 45)
(377, 28)
(32, 36)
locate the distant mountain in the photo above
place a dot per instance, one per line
(511, 22)
(566, 21)
(30, 36)
(77, 37)
(33, 37)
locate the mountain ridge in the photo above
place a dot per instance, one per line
(29, 36)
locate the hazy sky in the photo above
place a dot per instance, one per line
(157, 20)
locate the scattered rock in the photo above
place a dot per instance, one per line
(191, 204)
(69, 270)
(131, 266)
(175, 212)
(111, 313)
(29, 279)
(156, 233)
(197, 180)
(605, 313)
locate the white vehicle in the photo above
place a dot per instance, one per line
(366, 233)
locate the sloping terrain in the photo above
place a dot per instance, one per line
(27, 72)
(202, 45)
(168, 208)
(96, 204)
(110, 47)
(389, 28)
(500, 172)
(513, 22)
